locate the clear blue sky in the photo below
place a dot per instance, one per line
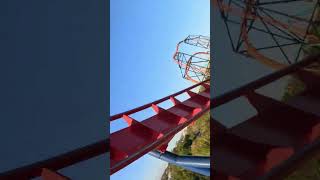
(143, 36)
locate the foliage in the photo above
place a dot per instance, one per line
(294, 87)
(309, 171)
(312, 48)
(196, 141)
(178, 173)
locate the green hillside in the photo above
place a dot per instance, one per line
(195, 142)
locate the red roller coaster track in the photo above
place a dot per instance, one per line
(134, 141)
(273, 141)
(266, 145)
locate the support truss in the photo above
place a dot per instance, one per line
(274, 32)
(193, 56)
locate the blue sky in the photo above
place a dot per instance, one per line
(143, 36)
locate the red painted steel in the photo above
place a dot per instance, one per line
(58, 162)
(132, 142)
(273, 138)
(155, 132)
(252, 148)
(47, 174)
(278, 132)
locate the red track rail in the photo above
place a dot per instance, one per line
(264, 145)
(127, 144)
(278, 133)
(46, 168)
(132, 142)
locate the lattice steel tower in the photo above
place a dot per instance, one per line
(273, 32)
(193, 58)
